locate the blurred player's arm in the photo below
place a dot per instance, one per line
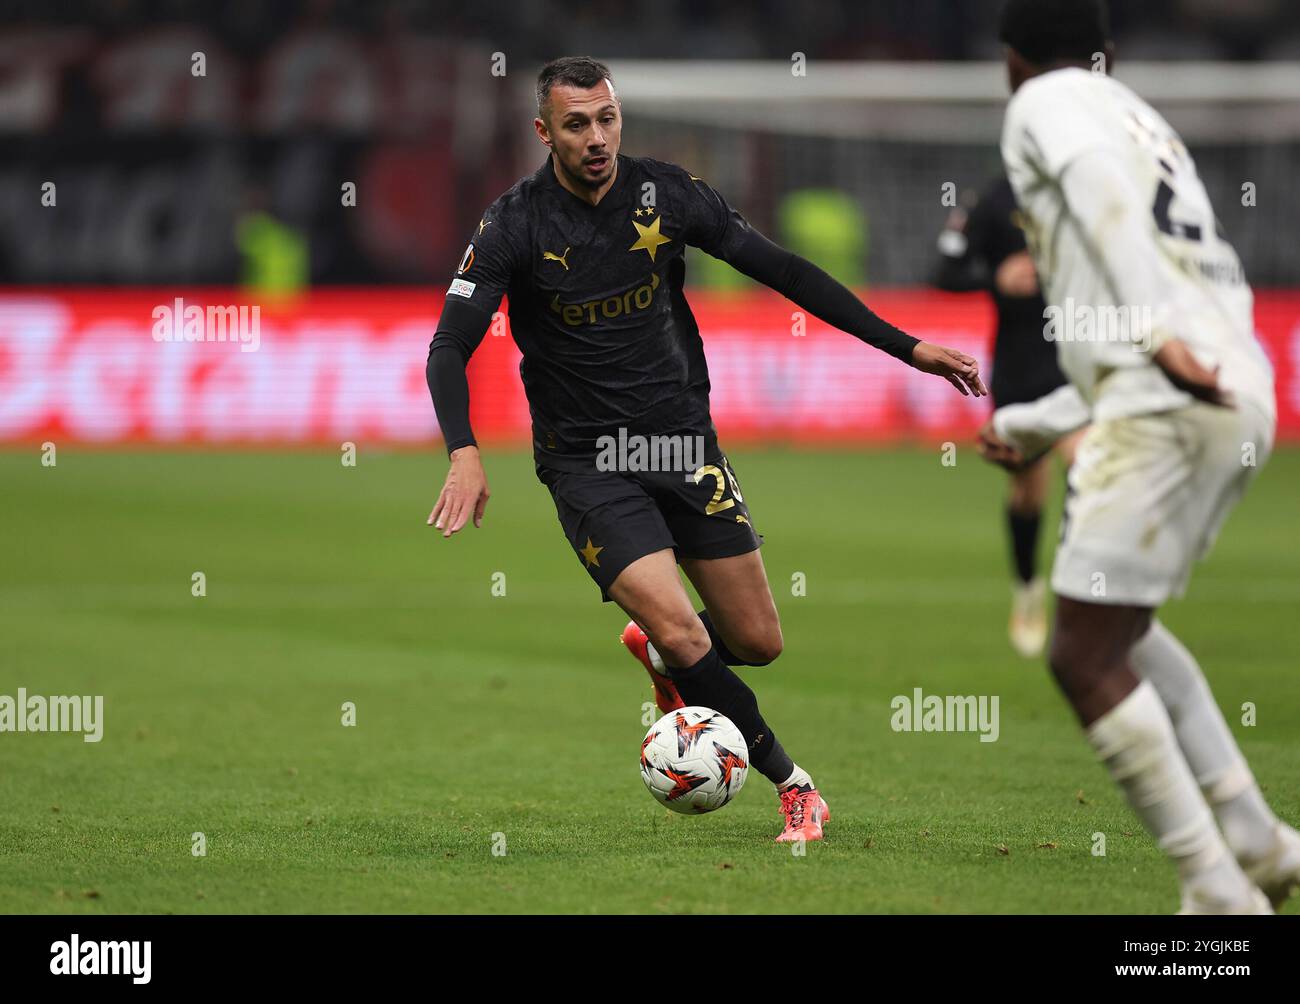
(722, 232)
(473, 296)
(1020, 433)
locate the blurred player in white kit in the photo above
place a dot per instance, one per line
(1152, 316)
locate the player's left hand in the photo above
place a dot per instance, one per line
(997, 450)
(959, 369)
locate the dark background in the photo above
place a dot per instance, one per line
(155, 168)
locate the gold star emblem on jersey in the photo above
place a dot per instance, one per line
(650, 238)
(589, 553)
(552, 256)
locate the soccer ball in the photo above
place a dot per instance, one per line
(694, 760)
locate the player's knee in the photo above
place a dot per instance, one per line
(1078, 663)
(763, 647)
(1063, 658)
(680, 641)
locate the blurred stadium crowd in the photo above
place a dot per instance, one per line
(694, 29)
(163, 176)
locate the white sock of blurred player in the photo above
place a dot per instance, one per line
(1135, 740)
(1253, 833)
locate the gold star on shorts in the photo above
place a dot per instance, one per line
(589, 553)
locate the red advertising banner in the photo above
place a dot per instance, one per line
(207, 366)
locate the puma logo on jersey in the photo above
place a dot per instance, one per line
(552, 256)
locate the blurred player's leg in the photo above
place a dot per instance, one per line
(1027, 627)
(1266, 848)
(1149, 494)
(1128, 726)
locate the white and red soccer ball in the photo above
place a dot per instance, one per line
(694, 760)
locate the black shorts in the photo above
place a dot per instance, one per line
(613, 518)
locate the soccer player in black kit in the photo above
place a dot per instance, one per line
(589, 250)
(983, 248)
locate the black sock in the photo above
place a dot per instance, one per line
(1024, 542)
(710, 683)
(728, 656)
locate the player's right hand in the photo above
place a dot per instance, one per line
(464, 494)
(1186, 373)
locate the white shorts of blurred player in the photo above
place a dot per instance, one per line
(1148, 496)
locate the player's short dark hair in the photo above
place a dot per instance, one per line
(574, 71)
(1046, 31)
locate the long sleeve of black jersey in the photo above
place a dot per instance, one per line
(812, 288)
(482, 278)
(460, 329)
(722, 232)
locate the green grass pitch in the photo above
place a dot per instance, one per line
(520, 715)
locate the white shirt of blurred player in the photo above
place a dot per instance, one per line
(1182, 273)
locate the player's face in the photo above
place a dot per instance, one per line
(585, 130)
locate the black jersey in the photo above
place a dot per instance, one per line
(597, 309)
(1024, 361)
(596, 303)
